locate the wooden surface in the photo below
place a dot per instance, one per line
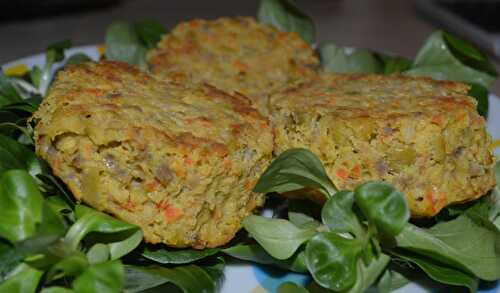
(384, 25)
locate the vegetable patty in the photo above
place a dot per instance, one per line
(422, 135)
(177, 160)
(234, 55)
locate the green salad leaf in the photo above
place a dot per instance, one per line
(348, 60)
(12, 256)
(295, 169)
(332, 260)
(255, 253)
(139, 280)
(77, 58)
(393, 64)
(56, 289)
(285, 16)
(53, 54)
(182, 256)
(390, 281)
(24, 279)
(102, 277)
(123, 44)
(188, 278)
(150, 32)
(280, 238)
(302, 213)
(121, 239)
(442, 273)
(338, 215)
(71, 265)
(8, 93)
(383, 206)
(447, 57)
(20, 205)
(14, 155)
(460, 243)
(129, 42)
(368, 274)
(480, 93)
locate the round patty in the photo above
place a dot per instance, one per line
(422, 135)
(177, 160)
(235, 55)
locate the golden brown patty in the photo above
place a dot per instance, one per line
(422, 135)
(178, 160)
(235, 55)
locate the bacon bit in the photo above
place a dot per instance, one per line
(206, 123)
(478, 120)
(219, 149)
(217, 214)
(430, 196)
(151, 186)
(281, 36)
(249, 184)
(235, 128)
(438, 119)
(169, 213)
(178, 168)
(188, 161)
(304, 45)
(227, 163)
(356, 171)
(342, 173)
(129, 206)
(264, 125)
(194, 23)
(57, 164)
(240, 65)
(441, 200)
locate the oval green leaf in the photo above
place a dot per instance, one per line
(480, 93)
(14, 155)
(182, 256)
(123, 44)
(285, 16)
(21, 205)
(348, 60)
(255, 253)
(188, 278)
(24, 279)
(331, 260)
(150, 32)
(442, 57)
(102, 277)
(442, 273)
(461, 243)
(383, 206)
(125, 237)
(280, 238)
(295, 169)
(338, 215)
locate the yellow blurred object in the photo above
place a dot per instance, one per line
(16, 70)
(101, 49)
(495, 144)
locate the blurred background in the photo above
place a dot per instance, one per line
(395, 26)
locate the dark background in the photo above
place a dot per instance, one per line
(385, 25)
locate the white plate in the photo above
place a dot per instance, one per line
(245, 277)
